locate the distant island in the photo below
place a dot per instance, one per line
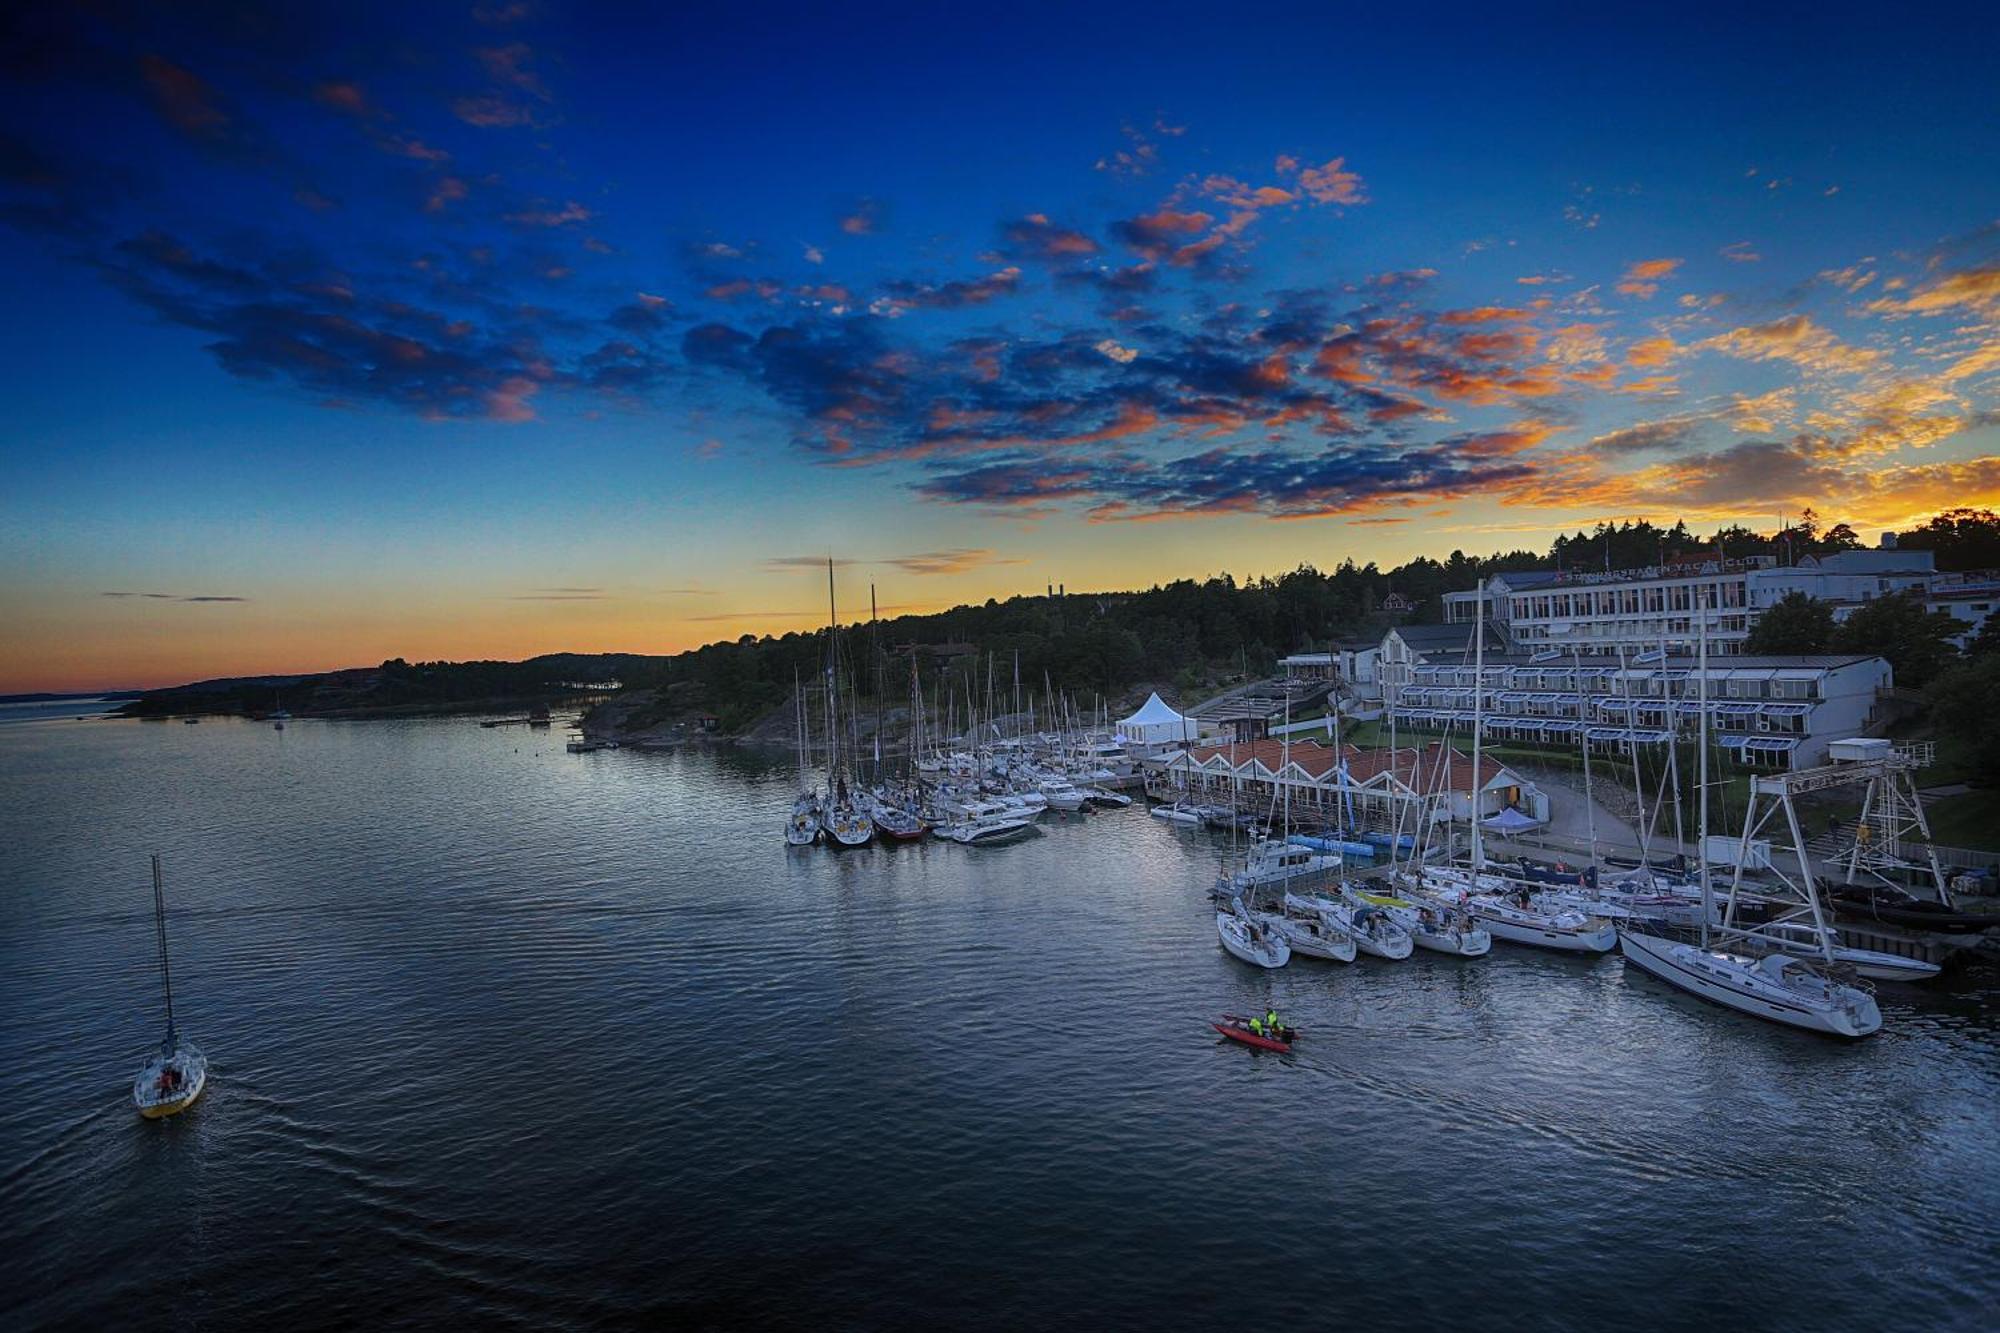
(48, 698)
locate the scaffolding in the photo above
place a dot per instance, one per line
(1890, 833)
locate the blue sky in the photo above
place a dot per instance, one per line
(486, 330)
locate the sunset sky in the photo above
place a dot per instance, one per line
(338, 333)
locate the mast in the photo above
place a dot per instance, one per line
(160, 927)
(1478, 722)
(1701, 761)
(1583, 707)
(832, 678)
(875, 651)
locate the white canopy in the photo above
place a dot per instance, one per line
(1156, 724)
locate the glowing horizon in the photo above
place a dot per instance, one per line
(520, 329)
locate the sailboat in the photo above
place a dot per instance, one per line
(802, 829)
(1249, 939)
(176, 1073)
(1778, 986)
(847, 824)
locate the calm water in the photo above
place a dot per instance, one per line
(507, 1037)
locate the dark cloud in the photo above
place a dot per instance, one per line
(1035, 237)
(947, 562)
(954, 295)
(175, 597)
(274, 317)
(1276, 483)
(1650, 437)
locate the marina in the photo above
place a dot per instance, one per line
(608, 898)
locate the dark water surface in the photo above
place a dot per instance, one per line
(506, 1037)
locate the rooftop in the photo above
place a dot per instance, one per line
(1415, 767)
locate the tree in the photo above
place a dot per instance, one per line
(1987, 641)
(1965, 708)
(1839, 537)
(1917, 642)
(1962, 538)
(1796, 624)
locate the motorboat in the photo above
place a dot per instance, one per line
(1249, 939)
(1434, 924)
(174, 1075)
(989, 830)
(1106, 799)
(1060, 794)
(1778, 986)
(1272, 863)
(1803, 940)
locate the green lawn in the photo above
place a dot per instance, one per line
(1971, 820)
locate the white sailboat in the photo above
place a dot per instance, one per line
(802, 829)
(1433, 923)
(1309, 931)
(1374, 930)
(174, 1076)
(1777, 986)
(846, 821)
(1249, 939)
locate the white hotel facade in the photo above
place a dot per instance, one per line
(1775, 712)
(1634, 610)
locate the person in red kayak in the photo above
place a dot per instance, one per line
(1271, 1022)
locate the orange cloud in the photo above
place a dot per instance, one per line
(1975, 289)
(1650, 352)
(1796, 339)
(1331, 183)
(1642, 278)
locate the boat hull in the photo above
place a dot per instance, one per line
(1329, 945)
(1251, 1039)
(1271, 952)
(154, 1107)
(1674, 963)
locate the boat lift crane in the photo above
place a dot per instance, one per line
(1890, 832)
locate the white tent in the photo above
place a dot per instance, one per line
(1157, 724)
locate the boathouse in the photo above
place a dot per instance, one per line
(1349, 787)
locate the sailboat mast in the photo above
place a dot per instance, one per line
(832, 676)
(1701, 764)
(1478, 720)
(1583, 707)
(160, 927)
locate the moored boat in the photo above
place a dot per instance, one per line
(1777, 987)
(1249, 940)
(1433, 924)
(1309, 933)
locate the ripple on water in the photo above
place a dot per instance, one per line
(508, 1037)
